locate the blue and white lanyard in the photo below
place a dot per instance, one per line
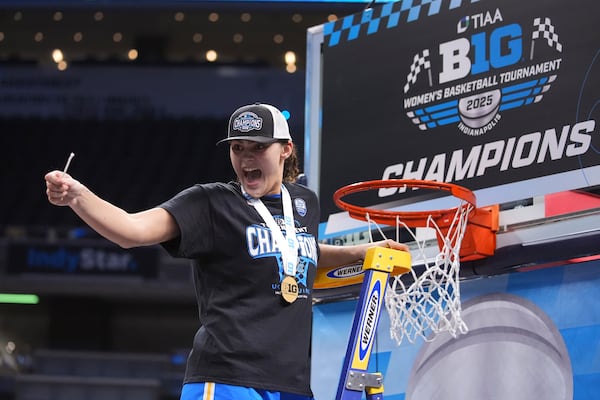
(288, 245)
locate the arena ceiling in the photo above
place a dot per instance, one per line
(243, 32)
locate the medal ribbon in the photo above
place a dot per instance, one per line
(288, 245)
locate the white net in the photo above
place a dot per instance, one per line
(426, 302)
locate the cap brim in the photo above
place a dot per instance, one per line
(259, 139)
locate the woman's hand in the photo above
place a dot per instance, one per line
(61, 188)
(332, 256)
(389, 243)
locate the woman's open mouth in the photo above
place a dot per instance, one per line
(252, 175)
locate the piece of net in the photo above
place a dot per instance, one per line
(426, 301)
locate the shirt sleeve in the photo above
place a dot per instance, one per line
(191, 210)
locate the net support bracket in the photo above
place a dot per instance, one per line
(480, 236)
(361, 381)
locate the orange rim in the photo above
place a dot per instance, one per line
(410, 218)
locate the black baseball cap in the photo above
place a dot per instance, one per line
(257, 122)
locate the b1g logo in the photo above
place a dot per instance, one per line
(481, 75)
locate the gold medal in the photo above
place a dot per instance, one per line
(289, 289)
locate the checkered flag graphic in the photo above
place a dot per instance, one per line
(420, 62)
(545, 29)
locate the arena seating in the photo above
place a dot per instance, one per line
(134, 163)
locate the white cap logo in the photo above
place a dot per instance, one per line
(247, 121)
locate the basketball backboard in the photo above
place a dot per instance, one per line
(500, 97)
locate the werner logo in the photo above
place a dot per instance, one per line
(469, 80)
(345, 272)
(369, 320)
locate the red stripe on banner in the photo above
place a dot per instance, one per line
(569, 202)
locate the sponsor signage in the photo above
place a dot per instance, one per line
(484, 94)
(81, 259)
(369, 321)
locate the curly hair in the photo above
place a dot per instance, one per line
(291, 170)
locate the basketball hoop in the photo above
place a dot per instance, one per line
(430, 304)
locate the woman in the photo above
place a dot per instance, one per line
(254, 249)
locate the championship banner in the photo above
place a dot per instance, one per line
(81, 259)
(485, 94)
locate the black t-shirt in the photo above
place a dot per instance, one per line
(249, 336)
